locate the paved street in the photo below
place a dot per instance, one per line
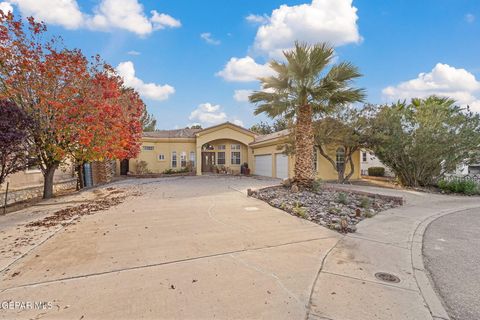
(452, 255)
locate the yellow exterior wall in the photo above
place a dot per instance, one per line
(165, 147)
(229, 134)
(228, 153)
(325, 170)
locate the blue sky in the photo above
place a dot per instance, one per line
(179, 50)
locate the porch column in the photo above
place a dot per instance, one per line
(199, 160)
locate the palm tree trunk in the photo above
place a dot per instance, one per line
(304, 142)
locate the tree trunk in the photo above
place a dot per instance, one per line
(80, 182)
(304, 141)
(48, 174)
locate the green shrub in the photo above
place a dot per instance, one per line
(172, 171)
(467, 187)
(376, 171)
(365, 202)
(300, 211)
(317, 185)
(470, 187)
(342, 198)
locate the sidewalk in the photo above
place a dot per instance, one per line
(346, 287)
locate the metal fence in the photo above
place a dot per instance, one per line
(469, 177)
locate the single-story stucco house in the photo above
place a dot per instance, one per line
(226, 147)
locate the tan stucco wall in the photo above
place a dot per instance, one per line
(325, 170)
(215, 136)
(34, 178)
(228, 153)
(161, 147)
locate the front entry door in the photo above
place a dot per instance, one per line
(208, 161)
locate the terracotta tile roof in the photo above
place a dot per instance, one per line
(178, 133)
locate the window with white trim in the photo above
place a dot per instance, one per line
(236, 157)
(161, 157)
(148, 148)
(364, 156)
(221, 158)
(235, 147)
(221, 147)
(183, 159)
(174, 159)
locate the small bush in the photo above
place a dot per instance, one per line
(376, 171)
(317, 185)
(142, 167)
(300, 211)
(342, 198)
(365, 202)
(172, 171)
(467, 187)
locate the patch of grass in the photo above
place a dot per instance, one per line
(365, 202)
(342, 198)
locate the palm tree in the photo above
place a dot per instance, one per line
(301, 90)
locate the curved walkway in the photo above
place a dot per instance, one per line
(452, 256)
(391, 242)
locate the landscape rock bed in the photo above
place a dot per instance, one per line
(331, 208)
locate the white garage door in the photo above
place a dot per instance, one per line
(263, 165)
(282, 166)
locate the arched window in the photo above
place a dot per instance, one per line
(340, 159)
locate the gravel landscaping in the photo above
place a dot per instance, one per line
(334, 209)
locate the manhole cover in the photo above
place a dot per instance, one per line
(387, 277)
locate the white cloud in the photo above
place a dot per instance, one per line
(162, 21)
(208, 114)
(207, 36)
(59, 12)
(148, 90)
(242, 95)
(6, 7)
(134, 53)
(108, 15)
(238, 122)
(444, 81)
(333, 21)
(257, 19)
(470, 18)
(244, 70)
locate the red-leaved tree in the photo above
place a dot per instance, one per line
(79, 110)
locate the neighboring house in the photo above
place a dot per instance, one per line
(464, 169)
(368, 160)
(226, 146)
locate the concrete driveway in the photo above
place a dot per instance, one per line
(452, 255)
(190, 248)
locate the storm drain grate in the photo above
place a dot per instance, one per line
(387, 277)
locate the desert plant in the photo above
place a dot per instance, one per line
(300, 211)
(302, 89)
(142, 167)
(317, 185)
(376, 172)
(365, 202)
(342, 198)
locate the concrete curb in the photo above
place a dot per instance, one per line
(432, 300)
